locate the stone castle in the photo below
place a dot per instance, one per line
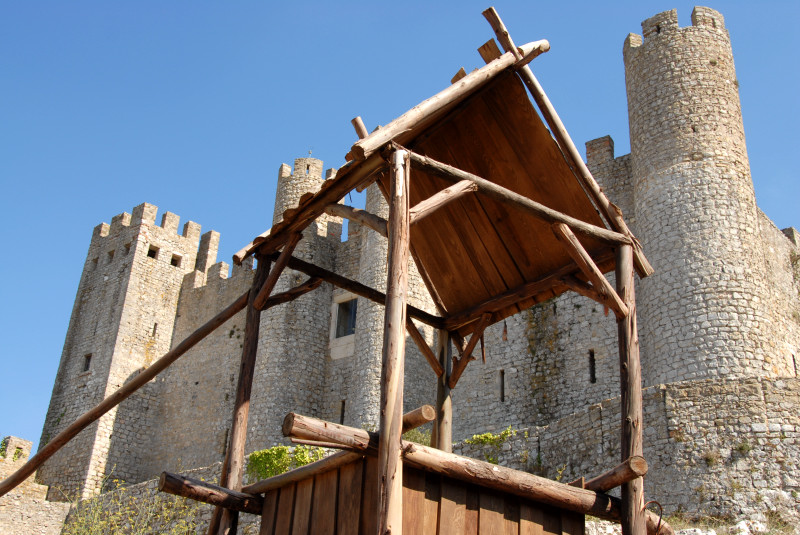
(719, 321)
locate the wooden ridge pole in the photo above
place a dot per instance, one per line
(122, 393)
(610, 212)
(390, 466)
(630, 376)
(233, 468)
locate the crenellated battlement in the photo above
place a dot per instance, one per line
(666, 23)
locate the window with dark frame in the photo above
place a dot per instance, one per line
(346, 318)
(87, 362)
(152, 252)
(592, 367)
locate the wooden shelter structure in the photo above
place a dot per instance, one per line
(491, 198)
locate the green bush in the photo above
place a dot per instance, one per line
(279, 459)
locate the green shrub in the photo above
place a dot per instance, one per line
(279, 459)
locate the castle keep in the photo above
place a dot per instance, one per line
(719, 321)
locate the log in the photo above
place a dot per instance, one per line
(472, 471)
(361, 128)
(630, 376)
(442, 436)
(275, 273)
(581, 287)
(411, 420)
(610, 212)
(233, 468)
(425, 208)
(122, 393)
(511, 198)
(423, 347)
(376, 223)
(461, 364)
(293, 293)
(359, 289)
(628, 470)
(202, 491)
(601, 285)
(390, 465)
(427, 112)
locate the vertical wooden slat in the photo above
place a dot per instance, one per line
(442, 436)
(472, 512)
(491, 514)
(283, 518)
(530, 520)
(233, 468)
(572, 523)
(551, 522)
(390, 463)
(433, 495)
(350, 476)
(630, 376)
(453, 508)
(413, 500)
(369, 497)
(268, 513)
(302, 507)
(323, 505)
(511, 516)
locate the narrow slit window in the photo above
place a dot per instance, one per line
(154, 331)
(592, 367)
(341, 412)
(87, 362)
(110, 256)
(176, 260)
(152, 252)
(794, 361)
(127, 248)
(346, 318)
(502, 380)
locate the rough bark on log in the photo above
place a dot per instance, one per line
(423, 347)
(628, 470)
(376, 223)
(205, 492)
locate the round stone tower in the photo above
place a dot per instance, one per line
(702, 314)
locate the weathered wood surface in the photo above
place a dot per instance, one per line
(260, 300)
(205, 492)
(428, 111)
(629, 469)
(233, 466)
(423, 347)
(451, 193)
(58, 441)
(369, 220)
(459, 365)
(361, 128)
(630, 376)
(442, 435)
(472, 471)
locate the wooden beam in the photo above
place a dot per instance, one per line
(233, 468)
(442, 436)
(628, 470)
(367, 219)
(428, 111)
(511, 198)
(630, 376)
(460, 364)
(611, 213)
(361, 128)
(205, 492)
(590, 270)
(293, 293)
(425, 208)
(582, 287)
(359, 289)
(390, 465)
(274, 274)
(472, 471)
(489, 51)
(147, 375)
(458, 76)
(423, 346)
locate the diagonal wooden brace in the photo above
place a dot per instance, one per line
(423, 347)
(607, 294)
(460, 364)
(263, 294)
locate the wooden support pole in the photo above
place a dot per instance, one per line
(472, 471)
(442, 436)
(376, 223)
(423, 346)
(205, 492)
(630, 375)
(58, 441)
(460, 365)
(431, 109)
(360, 290)
(233, 468)
(610, 212)
(511, 198)
(293, 293)
(275, 273)
(629, 469)
(581, 287)
(361, 128)
(390, 466)
(425, 208)
(590, 270)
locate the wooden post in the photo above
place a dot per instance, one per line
(630, 376)
(233, 468)
(442, 436)
(390, 465)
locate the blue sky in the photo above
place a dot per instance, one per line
(193, 106)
